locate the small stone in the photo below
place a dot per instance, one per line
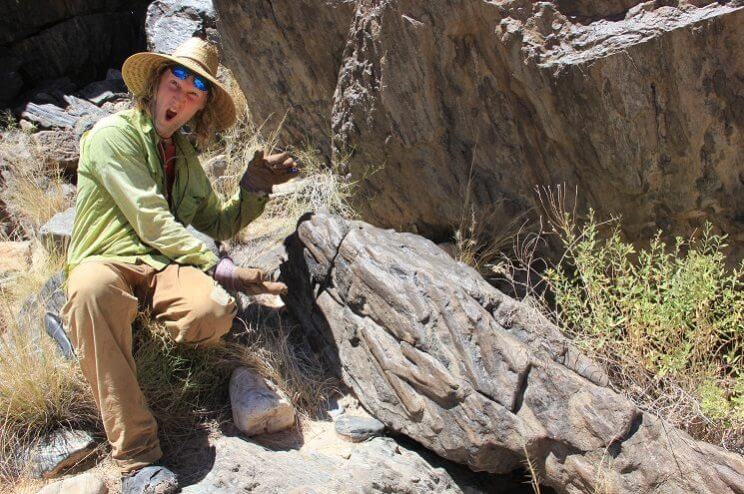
(86, 483)
(258, 406)
(62, 450)
(48, 116)
(55, 233)
(357, 429)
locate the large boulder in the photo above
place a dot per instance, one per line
(438, 354)
(286, 57)
(638, 104)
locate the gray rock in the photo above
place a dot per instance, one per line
(63, 450)
(258, 406)
(60, 147)
(171, 22)
(48, 116)
(356, 429)
(436, 353)
(55, 233)
(44, 308)
(100, 92)
(378, 465)
(114, 75)
(86, 483)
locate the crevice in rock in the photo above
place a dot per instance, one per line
(614, 449)
(521, 389)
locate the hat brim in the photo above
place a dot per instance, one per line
(138, 67)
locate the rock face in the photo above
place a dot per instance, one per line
(286, 56)
(438, 354)
(638, 104)
(43, 39)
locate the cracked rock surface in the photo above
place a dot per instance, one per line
(636, 104)
(438, 354)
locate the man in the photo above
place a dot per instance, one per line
(139, 183)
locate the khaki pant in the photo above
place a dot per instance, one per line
(103, 299)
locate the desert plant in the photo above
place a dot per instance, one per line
(666, 320)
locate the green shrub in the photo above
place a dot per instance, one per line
(667, 320)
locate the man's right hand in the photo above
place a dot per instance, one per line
(253, 282)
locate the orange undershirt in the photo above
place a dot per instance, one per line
(168, 158)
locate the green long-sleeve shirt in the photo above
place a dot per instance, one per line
(121, 211)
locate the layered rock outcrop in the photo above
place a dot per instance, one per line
(638, 104)
(438, 354)
(81, 39)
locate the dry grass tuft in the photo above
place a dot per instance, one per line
(35, 189)
(316, 189)
(475, 241)
(40, 391)
(278, 352)
(187, 387)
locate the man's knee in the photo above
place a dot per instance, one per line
(209, 317)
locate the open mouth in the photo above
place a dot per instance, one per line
(169, 115)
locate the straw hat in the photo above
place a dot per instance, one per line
(195, 54)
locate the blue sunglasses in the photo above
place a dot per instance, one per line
(183, 73)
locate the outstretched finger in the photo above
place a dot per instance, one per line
(272, 287)
(257, 156)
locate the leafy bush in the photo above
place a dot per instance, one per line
(667, 320)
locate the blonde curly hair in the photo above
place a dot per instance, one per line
(202, 124)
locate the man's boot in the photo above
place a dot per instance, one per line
(150, 480)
